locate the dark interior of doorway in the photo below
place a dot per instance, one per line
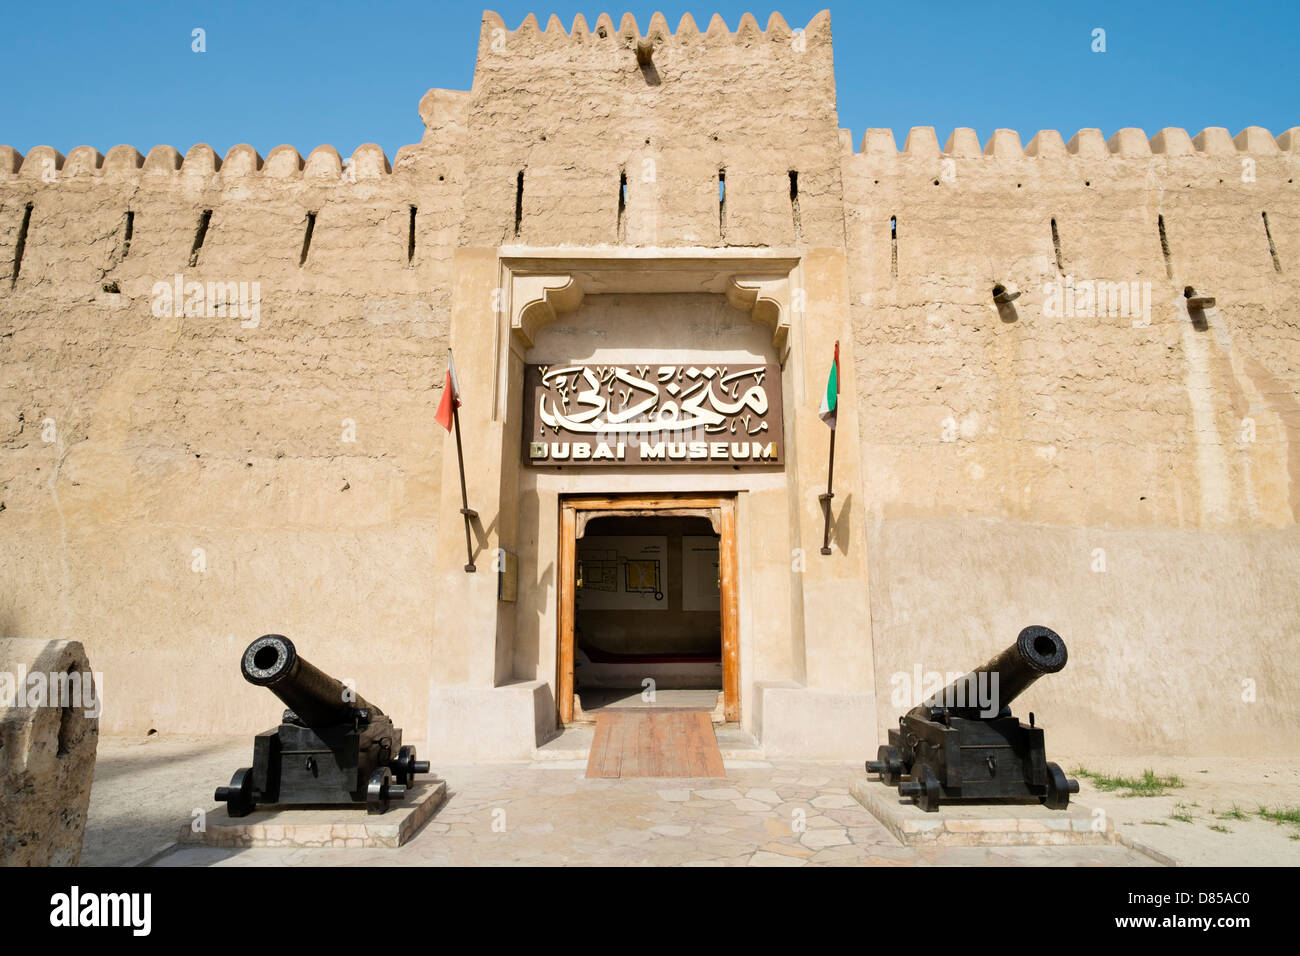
(648, 614)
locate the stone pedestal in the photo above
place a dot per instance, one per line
(977, 825)
(351, 827)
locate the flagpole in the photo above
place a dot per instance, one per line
(465, 510)
(826, 498)
(830, 468)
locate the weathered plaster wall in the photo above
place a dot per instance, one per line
(571, 109)
(223, 433)
(1003, 447)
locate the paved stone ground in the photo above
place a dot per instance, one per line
(146, 790)
(522, 814)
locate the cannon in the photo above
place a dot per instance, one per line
(962, 745)
(332, 747)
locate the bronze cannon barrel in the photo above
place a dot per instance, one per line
(986, 690)
(272, 662)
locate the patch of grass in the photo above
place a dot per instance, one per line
(1220, 829)
(1181, 817)
(1233, 814)
(1155, 823)
(1281, 814)
(1147, 785)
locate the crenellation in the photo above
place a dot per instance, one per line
(921, 143)
(200, 160)
(324, 162)
(240, 161)
(83, 161)
(1129, 143)
(748, 29)
(369, 161)
(124, 160)
(1047, 143)
(1257, 141)
(658, 29)
(1004, 144)
(963, 143)
(1215, 141)
(162, 159)
(1172, 141)
(283, 162)
(777, 29)
(1088, 144)
(40, 163)
(879, 142)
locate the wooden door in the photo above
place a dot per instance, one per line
(721, 511)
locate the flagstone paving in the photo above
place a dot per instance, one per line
(785, 814)
(147, 789)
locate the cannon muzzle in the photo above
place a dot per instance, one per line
(985, 691)
(316, 699)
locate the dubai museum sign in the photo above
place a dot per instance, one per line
(652, 414)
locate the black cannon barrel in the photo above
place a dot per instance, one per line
(986, 690)
(273, 662)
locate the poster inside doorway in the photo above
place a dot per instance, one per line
(623, 573)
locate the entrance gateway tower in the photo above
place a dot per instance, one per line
(657, 220)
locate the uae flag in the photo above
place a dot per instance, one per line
(450, 396)
(830, 401)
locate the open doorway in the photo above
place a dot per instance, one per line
(647, 629)
(648, 612)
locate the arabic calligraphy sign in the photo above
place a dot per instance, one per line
(697, 414)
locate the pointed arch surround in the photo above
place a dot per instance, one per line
(539, 286)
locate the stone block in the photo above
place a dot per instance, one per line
(49, 731)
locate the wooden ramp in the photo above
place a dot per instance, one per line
(648, 744)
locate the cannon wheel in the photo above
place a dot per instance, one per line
(1059, 788)
(928, 799)
(404, 766)
(377, 790)
(892, 765)
(239, 795)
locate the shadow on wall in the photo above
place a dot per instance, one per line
(528, 638)
(841, 521)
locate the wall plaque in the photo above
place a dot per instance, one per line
(694, 414)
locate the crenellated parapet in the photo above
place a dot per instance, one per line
(627, 33)
(1128, 143)
(241, 162)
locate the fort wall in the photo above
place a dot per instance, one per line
(992, 456)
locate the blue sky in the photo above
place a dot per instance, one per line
(105, 73)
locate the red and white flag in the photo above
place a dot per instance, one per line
(450, 396)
